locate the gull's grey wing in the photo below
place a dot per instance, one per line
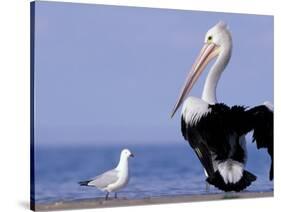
(104, 179)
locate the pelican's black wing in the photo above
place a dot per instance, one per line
(199, 146)
(260, 118)
(210, 136)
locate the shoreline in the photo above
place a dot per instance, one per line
(121, 202)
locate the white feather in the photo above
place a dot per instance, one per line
(193, 109)
(231, 171)
(269, 105)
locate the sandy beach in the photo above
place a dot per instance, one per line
(102, 203)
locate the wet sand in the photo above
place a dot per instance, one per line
(121, 201)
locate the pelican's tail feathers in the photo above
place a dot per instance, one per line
(218, 181)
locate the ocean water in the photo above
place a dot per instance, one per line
(156, 170)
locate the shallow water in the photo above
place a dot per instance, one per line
(156, 170)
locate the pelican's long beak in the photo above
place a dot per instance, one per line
(207, 53)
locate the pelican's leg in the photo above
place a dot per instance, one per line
(207, 187)
(115, 195)
(106, 196)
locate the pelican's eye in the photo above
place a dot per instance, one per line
(210, 38)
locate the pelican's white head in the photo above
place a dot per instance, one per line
(217, 43)
(126, 153)
(220, 36)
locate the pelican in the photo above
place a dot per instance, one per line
(215, 131)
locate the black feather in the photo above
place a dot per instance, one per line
(262, 124)
(199, 147)
(243, 183)
(211, 136)
(84, 183)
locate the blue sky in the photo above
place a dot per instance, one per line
(107, 74)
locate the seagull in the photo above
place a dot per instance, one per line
(114, 179)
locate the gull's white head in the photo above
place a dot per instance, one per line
(217, 43)
(126, 153)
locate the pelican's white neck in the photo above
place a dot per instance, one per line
(210, 86)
